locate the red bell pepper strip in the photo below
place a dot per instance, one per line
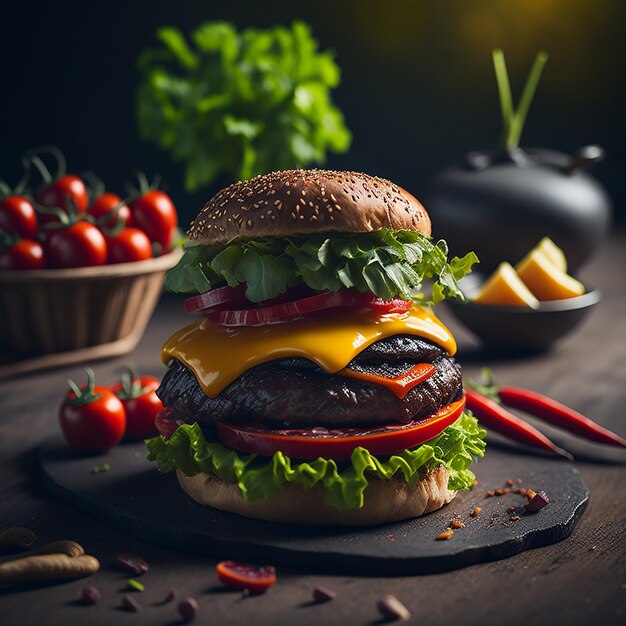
(494, 416)
(558, 414)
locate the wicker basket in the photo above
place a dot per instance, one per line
(55, 317)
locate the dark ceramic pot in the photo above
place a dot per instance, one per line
(500, 204)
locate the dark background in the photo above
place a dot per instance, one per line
(417, 85)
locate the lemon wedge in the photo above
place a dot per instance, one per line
(555, 255)
(553, 252)
(504, 287)
(546, 280)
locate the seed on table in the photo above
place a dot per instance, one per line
(131, 563)
(323, 594)
(135, 585)
(188, 609)
(537, 502)
(171, 595)
(392, 609)
(130, 604)
(90, 595)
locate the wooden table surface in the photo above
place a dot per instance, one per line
(577, 581)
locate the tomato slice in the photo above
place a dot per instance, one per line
(255, 578)
(337, 443)
(166, 422)
(216, 297)
(303, 306)
(400, 385)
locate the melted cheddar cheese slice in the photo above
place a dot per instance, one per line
(218, 355)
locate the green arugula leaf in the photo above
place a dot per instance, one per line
(387, 263)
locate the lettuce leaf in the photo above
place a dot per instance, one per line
(387, 263)
(237, 103)
(259, 478)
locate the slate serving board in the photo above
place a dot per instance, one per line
(133, 496)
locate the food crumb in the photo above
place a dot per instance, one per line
(514, 518)
(446, 534)
(476, 511)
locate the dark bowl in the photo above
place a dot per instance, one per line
(520, 329)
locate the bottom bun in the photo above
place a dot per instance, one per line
(385, 500)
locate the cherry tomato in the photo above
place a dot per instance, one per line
(142, 405)
(79, 245)
(23, 255)
(129, 245)
(303, 306)
(339, 443)
(155, 214)
(92, 418)
(255, 578)
(17, 216)
(104, 205)
(67, 192)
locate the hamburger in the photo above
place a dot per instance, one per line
(315, 384)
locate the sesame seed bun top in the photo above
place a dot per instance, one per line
(300, 202)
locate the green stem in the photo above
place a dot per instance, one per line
(86, 395)
(513, 120)
(504, 92)
(527, 97)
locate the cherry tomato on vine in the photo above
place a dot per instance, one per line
(67, 192)
(142, 405)
(155, 214)
(18, 217)
(92, 418)
(129, 245)
(109, 204)
(25, 254)
(77, 245)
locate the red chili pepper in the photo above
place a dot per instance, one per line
(558, 414)
(494, 416)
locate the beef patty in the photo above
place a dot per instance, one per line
(296, 392)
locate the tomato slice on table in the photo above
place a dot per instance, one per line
(339, 443)
(255, 578)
